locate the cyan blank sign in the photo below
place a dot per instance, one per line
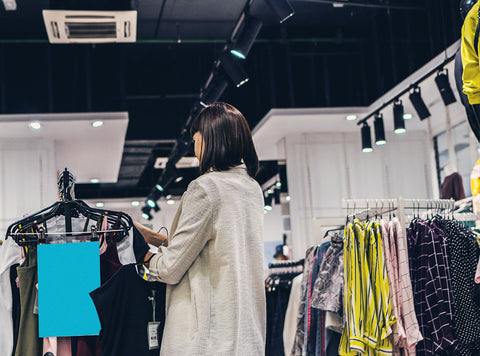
(67, 273)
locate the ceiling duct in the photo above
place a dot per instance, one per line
(90, 26)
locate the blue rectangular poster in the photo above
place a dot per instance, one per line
(67, 273)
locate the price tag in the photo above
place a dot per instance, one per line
(153, 337)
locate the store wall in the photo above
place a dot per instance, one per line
(325, 168)
(27, 179)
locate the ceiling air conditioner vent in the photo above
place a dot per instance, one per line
(90, 26)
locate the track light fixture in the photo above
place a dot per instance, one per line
(214, 91)
(418, 103)
(282, 8)
(379, 130)
(399, 122)
(276, 196)
(268, 202)
(444, 87)
(146, 213)
(366, 138)
(245, 41)
(234, 70)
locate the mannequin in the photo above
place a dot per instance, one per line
(467, 57)
(475, 185)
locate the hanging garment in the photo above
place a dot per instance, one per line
(314, 338)
(277, 302)
(404, 291)
(368, 311)
(127, 305)
(381, 291)
(298, 344)
(15, 306)
(430, 288)
(28, 342)
(328, 289)
(9, 256)
(452, 187)
(463, 253)
(290, 325)
(389, 248)
(334, 322)
(109, 265)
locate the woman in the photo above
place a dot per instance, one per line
(213, 265)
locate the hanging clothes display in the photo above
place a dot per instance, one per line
(69, 222)
(278, 285)
(313, 337)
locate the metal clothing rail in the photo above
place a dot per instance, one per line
(384, 206)
(41, 236)
(74, 233)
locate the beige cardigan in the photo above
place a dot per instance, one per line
(213, 266)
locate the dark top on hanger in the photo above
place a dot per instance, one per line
(125, 308)
(452, 187)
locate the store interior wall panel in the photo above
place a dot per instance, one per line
(318, 161)
(27, 179)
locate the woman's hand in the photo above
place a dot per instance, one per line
(151, 237)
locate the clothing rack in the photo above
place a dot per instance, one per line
(385, 206)
(286, 264)
(41, 236)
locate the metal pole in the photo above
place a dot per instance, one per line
(49, 78)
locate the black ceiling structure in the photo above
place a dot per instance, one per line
(330, 53)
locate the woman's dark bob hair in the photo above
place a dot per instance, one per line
(227, 139)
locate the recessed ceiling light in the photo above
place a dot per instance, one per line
(168, 197)
(337, 4)
(35, 125)
(159, 187)
(135, 203)
(351, 117)
(407, 116)
(100, 204)
(170, 202)
(97, 123)
(287, 198)
(178, 180)
(400, 131)
(94, 180)
(367, 150)
(145, 216)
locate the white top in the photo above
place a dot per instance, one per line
(10, 254)
(213, 267)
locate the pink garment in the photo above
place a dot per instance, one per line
(405, 297)
(103, 237)
(390, 254)
(477, 274)
(57, 346)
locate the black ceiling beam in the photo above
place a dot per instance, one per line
(366, 5)
(162, 96)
